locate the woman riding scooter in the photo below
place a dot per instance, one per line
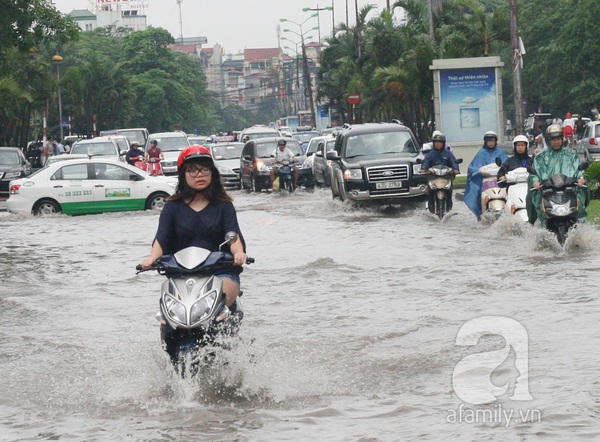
(520, 159)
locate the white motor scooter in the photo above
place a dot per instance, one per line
(517, 192)
(493, 197)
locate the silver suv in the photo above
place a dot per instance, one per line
(106, 147)
(258, 131)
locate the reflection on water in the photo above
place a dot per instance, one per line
(350, 327)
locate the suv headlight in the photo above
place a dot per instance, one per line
(416, 169)
(225, 170)
(353, 174)
(261, 166)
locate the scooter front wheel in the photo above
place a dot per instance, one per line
(440, 206)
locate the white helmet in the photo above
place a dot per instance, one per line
(521, 138)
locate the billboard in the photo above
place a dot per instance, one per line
(468, 102)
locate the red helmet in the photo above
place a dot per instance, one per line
(193, 152)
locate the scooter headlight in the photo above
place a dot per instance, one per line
(448, 186)
(202, 308)
(560, 209)
(175, 309)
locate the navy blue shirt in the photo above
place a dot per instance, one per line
(440, 157)
(180, 226)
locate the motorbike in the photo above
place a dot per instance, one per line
(493, 197)
(154, 167)
(140, 163)
(517, 192)
(193, 313)
(440, 181)
(560, 203)
(285, 173)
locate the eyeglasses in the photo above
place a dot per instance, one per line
(195, 171)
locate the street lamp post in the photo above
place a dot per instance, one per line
(317, 9)
(57, 61)
(307, 81)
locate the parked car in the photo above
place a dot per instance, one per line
(255, 164)
(305, 137)
(376, 162)
(589, 145)
(227, 160)
(13, 165)
(138, 134)
(258, 131)
(321, 165)
(100, 146)
(286, 131)
(171, 144)
(88, 185)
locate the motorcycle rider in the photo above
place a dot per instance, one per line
(556, 159)
(280, 154)
(134, 153)
(426, 148)
(439, 155)
(200, 213)
(520, 159)
(486, 155)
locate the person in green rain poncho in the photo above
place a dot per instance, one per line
(555, 159)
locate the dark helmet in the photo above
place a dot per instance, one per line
(192, 153)
(153, 142)
(438, 136)
(281, 141)
(554, 131)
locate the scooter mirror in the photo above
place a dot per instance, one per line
(459, 160)
(498, 161)
(531, 170)
(583, 166)
(230, 238)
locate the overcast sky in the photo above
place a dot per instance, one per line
(239, 24)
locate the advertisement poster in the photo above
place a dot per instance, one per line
(468, 103)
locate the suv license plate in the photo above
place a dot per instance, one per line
(389, 185)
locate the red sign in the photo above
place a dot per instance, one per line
(354, 98)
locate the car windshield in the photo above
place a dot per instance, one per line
(122, 143)
(9, 158)
(227, 152)
(171, 144)
(134, 135)
(304, 137)
(264, 150)
(380, 143)
(105, 148)
(257, 135)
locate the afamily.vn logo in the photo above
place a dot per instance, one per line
(472, 375)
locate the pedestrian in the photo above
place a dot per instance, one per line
(47, 150)
(59, 149)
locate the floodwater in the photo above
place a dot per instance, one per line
(351, 330)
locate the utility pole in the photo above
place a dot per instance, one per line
(516, 61)
(430, 15)
(180, 20)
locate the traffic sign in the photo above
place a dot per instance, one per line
(354, 98)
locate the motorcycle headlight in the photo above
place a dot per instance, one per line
(175, 309)
(201, 309)
(353, 174)
(560, 209)
(416, 169)
(225, 170)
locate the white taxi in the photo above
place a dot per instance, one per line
(90, 185)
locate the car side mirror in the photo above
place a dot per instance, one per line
(134, 177)
(248, 157)
(333, 155)
(498, 161)
(319, 153)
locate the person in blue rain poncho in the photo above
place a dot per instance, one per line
(486, 155)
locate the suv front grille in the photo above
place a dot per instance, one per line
(387, 173)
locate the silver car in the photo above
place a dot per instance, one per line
(227, 160)
(589, 145)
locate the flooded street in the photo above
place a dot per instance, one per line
(352, 318)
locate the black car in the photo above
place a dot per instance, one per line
(376, 162)
(256, 163)
(13, 165)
